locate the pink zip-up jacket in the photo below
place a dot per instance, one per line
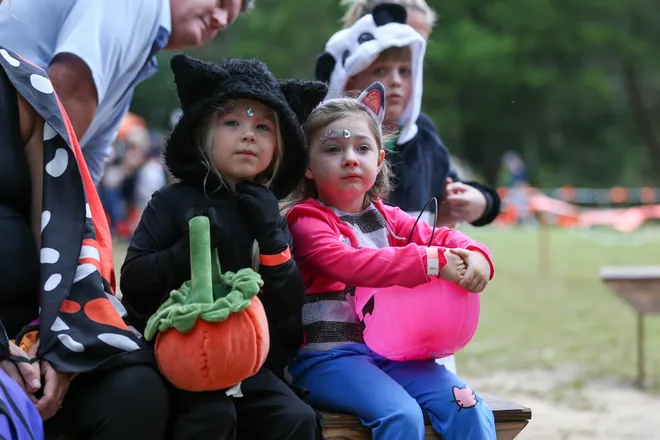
(331, 268)
(327, 264)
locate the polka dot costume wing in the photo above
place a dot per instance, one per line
(80, 325)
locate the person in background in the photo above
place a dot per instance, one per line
(470, 201)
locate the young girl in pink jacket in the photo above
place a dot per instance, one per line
(345, 237)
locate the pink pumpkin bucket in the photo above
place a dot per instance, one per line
(429, 321)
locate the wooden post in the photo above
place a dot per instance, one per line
(544, 245)
(641, 375)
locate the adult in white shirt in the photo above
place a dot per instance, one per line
(97, 51)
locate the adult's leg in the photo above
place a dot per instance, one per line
(455, 409)
(201, 416)
(346, 379)
(270, 410)
(129, 403)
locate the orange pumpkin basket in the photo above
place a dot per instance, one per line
(212, 332)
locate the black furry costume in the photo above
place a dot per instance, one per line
(203, 86)
(158, 258)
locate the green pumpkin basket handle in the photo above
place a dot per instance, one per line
(209, 295)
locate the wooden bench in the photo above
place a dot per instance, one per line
(639, 286)
(510, 419)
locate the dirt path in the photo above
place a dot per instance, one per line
(566, 408)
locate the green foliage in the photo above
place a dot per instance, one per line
(546, 78)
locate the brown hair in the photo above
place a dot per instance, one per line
(324, 115)
(359, 8)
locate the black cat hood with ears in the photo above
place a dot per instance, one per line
(203, 87)
(351, 50)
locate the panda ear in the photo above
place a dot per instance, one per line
(325, 64)
(389, 13)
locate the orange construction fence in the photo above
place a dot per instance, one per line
(565, 214)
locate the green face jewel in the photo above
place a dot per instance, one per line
(249, 112)
(347, 133)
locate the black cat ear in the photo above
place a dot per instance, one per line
(389, 13)
(195, 79)
(303, 96)
(325, 64)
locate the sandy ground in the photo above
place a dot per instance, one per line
(567, 408)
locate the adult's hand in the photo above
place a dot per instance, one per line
(19, 368)
(56, 385)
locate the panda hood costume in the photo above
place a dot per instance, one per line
(351, 50)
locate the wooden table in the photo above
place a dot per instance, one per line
(639, 286)
(510, 419)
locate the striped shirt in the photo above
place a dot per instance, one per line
(329, 318)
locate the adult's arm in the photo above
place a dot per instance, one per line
(74, 84)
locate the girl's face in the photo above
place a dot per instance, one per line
(244, 140)
(344, 162)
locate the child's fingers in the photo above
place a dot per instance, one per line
(463, 253)
(474, 285)
(467, 279)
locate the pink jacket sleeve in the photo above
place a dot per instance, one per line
(318, 250)
(444, 237)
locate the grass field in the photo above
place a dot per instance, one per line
(566, 317)
(563, 318)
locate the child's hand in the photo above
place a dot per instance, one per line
(477, 274)
(455, 268)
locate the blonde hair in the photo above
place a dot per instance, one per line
(324, 115)
(359, 8)
(204, 139)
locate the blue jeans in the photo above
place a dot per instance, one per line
(389, 396)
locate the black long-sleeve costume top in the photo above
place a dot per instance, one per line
(155, 265)
(420, 167)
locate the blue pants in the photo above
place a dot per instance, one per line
(389, 396)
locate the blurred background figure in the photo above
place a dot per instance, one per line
(133, 173)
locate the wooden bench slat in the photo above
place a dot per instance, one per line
(510, 419)
(502, 410)
(630, 273)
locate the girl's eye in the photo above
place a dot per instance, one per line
(332, 150)
(405, 71)
(380, 71)
(363, 148)
(264, 127)
(231, 123)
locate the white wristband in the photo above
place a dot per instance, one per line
(432, 262)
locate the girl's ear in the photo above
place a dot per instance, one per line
(309, 174)
(381, 159)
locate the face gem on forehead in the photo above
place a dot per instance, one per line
(249, 112)
(331, 134)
